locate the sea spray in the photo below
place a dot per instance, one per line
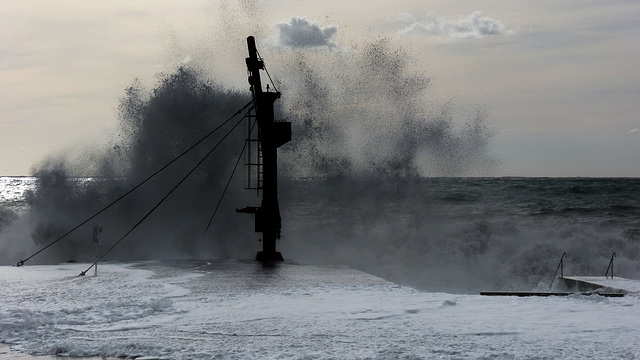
(367, 113)
(367, 128)
(356, 125)
(156, 126)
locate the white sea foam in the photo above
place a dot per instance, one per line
(243, 310)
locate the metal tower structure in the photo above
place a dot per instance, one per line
(270, 136)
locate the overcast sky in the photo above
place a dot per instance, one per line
(560, 80)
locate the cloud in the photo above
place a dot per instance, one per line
(402, 18)
(300, 32)
(634, 131)
(473, 26)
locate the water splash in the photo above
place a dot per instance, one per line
(367, 114)
(362, 119)
(156, 126)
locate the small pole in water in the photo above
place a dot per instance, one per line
(96, 242)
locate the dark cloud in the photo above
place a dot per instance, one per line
(300, 32)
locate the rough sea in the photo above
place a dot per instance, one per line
(439, 234)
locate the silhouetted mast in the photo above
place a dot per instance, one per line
(271, 135)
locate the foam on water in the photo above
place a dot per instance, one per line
(231, 309)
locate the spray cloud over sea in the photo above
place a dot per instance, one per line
(371, 178)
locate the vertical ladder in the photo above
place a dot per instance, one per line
(254, 170)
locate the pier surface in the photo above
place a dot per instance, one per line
(615, 285)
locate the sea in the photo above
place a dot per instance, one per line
(453, 234)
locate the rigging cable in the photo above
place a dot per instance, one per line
(267, 71)
(228, 182)
(21, 262)
(164, 198)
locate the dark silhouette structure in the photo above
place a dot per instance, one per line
(270, 136)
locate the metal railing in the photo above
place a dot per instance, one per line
(606, 275)
(560, 267)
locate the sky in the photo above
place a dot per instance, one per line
(560, 81)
